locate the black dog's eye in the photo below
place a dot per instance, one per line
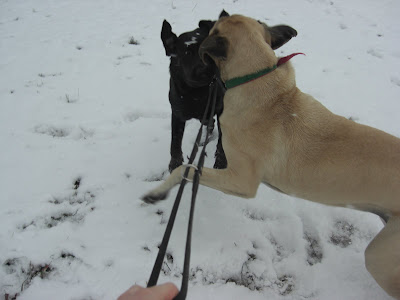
(188, 52)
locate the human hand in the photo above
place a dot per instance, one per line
(166, 291)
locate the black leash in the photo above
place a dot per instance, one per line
(196, 180)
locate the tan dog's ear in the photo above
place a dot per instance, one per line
(214, 47)
(280, 35)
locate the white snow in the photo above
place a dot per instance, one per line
(85, 131)
(191, 42)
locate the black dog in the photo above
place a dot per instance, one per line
(188, 92)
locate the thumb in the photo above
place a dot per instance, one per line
(166, 291)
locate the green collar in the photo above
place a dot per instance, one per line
(231, 83)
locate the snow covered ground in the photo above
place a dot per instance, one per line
(85, 130)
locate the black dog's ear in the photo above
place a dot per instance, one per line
(214, 47)
(223, 14)
(206, 24)
(169, 39)
(280, 35)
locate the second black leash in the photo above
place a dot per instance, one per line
(196, 180)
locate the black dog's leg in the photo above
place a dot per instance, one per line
(211, 129)
(220, 158)
(178, 128)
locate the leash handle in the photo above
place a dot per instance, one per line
(164, 244)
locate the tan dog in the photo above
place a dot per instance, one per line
(275, 134)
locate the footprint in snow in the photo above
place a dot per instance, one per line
(20, 273)
(72, 207)
(53, 131)
(132, 116)
(342, 234)
(314, 249)
(121, 58)
(375, 53)
(156, 176)
(62, 132)
(125, 56)
(395, 80)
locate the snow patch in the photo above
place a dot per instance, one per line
(191, 42)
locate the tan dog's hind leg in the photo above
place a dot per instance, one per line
(382, 257)
(238, 183)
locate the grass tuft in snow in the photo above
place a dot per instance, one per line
(26, 271)
(70, 99)
(132, 41)
(42, 75)
(147, 249)
(69, 258)
(77, 183)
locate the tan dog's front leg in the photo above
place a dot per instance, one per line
(227, 180)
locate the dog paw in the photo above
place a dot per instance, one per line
(152, 198)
